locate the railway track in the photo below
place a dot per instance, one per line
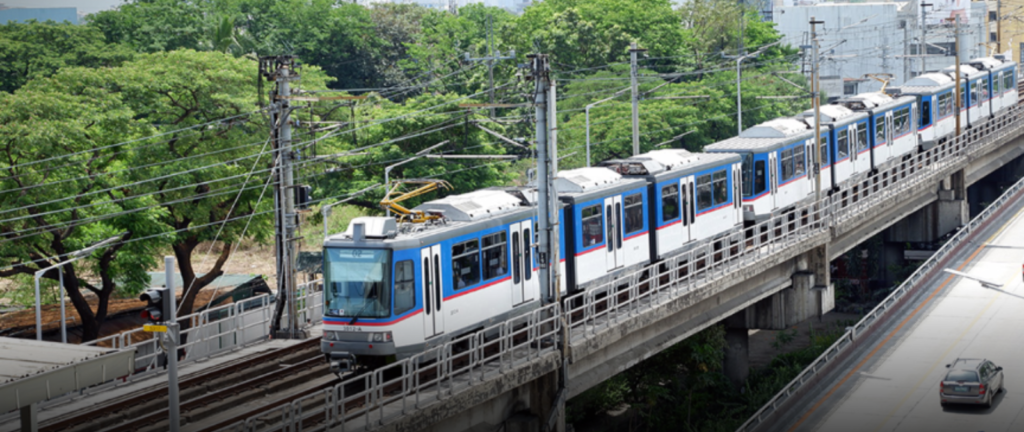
(206, 394)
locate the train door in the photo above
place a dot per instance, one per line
(686, 219)
(613, 220)
(433, 312)
(773, 182)
(523, 282)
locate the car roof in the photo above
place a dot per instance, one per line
(967, 363)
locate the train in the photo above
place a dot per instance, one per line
(395, 289)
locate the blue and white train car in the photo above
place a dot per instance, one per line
(775, 159)
(846, 151)
(934, 93)
(891, 121)
(676, 180)
(392, 293)
(974, 95)
(606, 224)
(1002, 74)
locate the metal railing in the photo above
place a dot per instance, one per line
(211, 331)
(371, 399)
(887, 304)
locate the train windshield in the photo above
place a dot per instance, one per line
(356, 283)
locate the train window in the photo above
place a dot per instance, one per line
(405, 284)
(963, 98)
(721, 184)
(748, 169)
(843, 144)
(618, 232)
(945, 104)
(862, 138)
(465, 264)
(428, 283)
(634, 213)
(517, 260)
(495, 255)
(902, 121)
(926, 113)
(759, 177)
(437, 282)
(592, 229)
(824, 150)
(995, 84)
(983, 87)
(787, 165)
(974, 91)
(611, 226)
(879, 130)
(798, 161)
(527, 260)
(669, 202)
(1008, 80)
(704, 192)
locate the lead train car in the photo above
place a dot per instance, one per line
(391, 293)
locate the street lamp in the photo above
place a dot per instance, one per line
(75, 256)
(739, 104)
(586, 111)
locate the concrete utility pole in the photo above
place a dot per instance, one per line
(492, 56)
(906, 52)
(174, 338)
(816, 100)
(547, 208)
(956, 50)
(633, 72)
(999, 27)
(922, 47)
(285, 217)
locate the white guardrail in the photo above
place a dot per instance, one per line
(367, 405)
(213, 331)
(884, 307)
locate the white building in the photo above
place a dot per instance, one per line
(857, 39)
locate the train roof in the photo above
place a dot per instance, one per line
(476, 205)
(766, 136)
(990, 63)
(669, 163)
(925, 84)
(872, 101)
(965, 70)
(833, 114)
(584, 183)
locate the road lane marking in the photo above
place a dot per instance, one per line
(901, 324)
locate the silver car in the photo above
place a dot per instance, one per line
(971, 381)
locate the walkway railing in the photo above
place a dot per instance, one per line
(885, 306)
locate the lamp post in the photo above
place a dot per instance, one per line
(586, 111)
(739, 103)
(75, 256)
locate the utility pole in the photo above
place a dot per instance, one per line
(492, 56)
(816, 99)
(547, 208)
(173, 339)
(633, 71)
(922, 47)
(956, 50)
(999, 27)
(285, 217)
(906, 52)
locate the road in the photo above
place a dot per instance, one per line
(892, 384)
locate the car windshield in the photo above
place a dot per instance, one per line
(962, 375)
(356, 282)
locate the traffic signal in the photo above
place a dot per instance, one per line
(157, 304)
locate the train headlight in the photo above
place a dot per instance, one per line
(329, 335)
(381, 337)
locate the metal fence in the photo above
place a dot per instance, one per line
(369, 400)
(886, 305)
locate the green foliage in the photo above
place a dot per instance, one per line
(155, 25)
(36, 50)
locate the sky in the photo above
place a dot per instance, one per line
(84, 6)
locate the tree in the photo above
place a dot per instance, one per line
(73, 200)
(35, 50)
(155, 25)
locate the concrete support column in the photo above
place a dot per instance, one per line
(30, 418)
(812, 294)
(543, 394)
(951, 210)
(737, 350)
